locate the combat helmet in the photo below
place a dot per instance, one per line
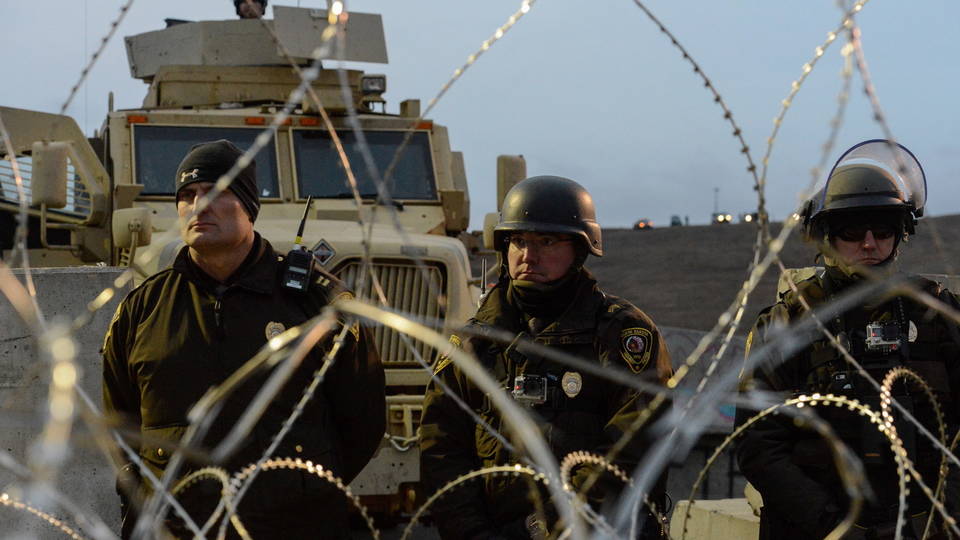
(877, 176)
(550, 204)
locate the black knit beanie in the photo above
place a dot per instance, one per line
(207, 162)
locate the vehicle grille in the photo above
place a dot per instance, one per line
(78, 197)
(409, 289)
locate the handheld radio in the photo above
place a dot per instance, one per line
(299, 263)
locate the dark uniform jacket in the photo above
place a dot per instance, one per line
(595, 327)
(180, 333)
(793, 468)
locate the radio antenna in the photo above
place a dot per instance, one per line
(298, 242)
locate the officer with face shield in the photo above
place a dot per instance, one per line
(544, 295)
(859, 221)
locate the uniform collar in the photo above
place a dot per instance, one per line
(256, 273)
(580, 314)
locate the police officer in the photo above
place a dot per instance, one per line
(546, 231)
(189, 327)
(858, 222)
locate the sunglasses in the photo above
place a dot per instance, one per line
(857, 232)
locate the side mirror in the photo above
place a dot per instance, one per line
(510, 171)
(130, 222)
(456, 202)
(48, 180)
(489, 222)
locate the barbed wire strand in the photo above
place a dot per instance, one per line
(32, 317)
(883, 389)
(114, 441)
(805, 73)
(827, 148)
(896, 287)
(520, 423)
(124, 9)
(525, 7)
(854, 483)
(201, 415)
(97, 528)
(7, 500)
(672, 434)
(327, 362)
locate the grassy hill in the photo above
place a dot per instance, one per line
(686, 277)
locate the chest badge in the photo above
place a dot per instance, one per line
(572, 383)
(912, 332)
(273, 330)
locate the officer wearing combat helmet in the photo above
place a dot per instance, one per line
(869, 206)
(547, 229)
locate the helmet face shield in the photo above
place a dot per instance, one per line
(891, 159)
(875, 175)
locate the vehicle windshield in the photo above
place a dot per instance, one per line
(158, 151)
(320, 172)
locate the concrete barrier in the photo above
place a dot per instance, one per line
(87, 477)
(723, 519)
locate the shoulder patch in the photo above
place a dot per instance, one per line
(445, 359)
(345, 295)
(635, 347)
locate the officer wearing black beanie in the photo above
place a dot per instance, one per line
(190, 327)
(207, 162)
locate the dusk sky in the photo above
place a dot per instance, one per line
(589, 90)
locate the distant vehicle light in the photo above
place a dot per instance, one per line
(643, 224)
(748, 218)
(722, 218)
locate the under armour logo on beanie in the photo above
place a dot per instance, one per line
(207, 162)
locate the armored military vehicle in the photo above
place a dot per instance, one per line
(98, 200)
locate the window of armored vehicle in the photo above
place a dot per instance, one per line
(158, 151)
(320, 172)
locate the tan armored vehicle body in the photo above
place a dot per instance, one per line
(226, 79)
